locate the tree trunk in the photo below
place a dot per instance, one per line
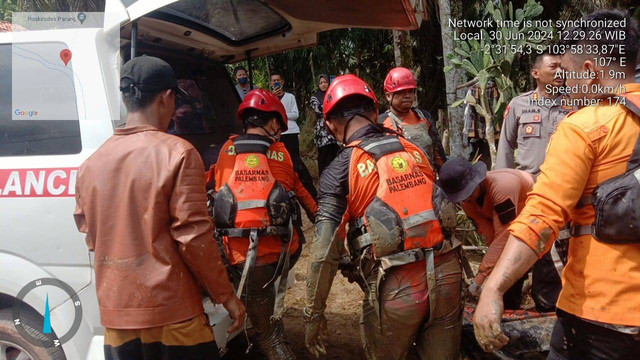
(313, 72)
(489, 128)
(396, 48)
(402, 50)
(453, 78)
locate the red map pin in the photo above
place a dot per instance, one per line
(65, 55)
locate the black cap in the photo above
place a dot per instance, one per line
(458, 178)
(148, 74)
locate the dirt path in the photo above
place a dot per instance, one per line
(343, 316)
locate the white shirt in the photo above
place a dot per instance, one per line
(291, 107)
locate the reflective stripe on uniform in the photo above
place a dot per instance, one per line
(378, 143)
(419, 218)
(251, 204)
(252, 142)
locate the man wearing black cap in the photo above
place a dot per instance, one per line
(491, 200)
(140, 198)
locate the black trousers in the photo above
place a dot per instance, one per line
(513, 297)
(576, 339)
(546, 284)
(326, 154)
(293, 147)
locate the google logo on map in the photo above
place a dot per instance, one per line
(29, 113)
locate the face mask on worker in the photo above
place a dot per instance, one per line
(276, 84)
(242, 80)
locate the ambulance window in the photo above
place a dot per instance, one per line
(38, 105)
(237, 20)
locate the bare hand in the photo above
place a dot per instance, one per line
(237, 312)
(316, 335)
(278, 91)
(486, 321)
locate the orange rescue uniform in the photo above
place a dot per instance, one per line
(363, 188)
(282, 170)
(601, 282)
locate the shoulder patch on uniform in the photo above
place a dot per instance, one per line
(506, 211)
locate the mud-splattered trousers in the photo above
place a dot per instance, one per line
(405, 318)
(404, 305)
(267, 330)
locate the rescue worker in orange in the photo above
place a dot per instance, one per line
(491, 200)
(254, 212)
(416, 125)
(598, 308)
(400, 235)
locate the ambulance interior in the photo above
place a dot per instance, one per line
(198, 37)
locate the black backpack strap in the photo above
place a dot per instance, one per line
(634, 160)
(381, 146)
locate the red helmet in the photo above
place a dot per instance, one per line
(399, 79)
(344, 86)
(263, 100)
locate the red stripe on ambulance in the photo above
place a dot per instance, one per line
(59, 182)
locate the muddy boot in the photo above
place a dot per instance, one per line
(259, 301)
(274, 344)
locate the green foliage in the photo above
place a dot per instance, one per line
(466, 230)
(367, 53)
(7, 7)
(492, 58)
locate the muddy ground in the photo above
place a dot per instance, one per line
(343, 312)
(343, 316)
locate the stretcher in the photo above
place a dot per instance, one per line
(529, 334)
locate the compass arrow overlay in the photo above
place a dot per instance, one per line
(46, 327)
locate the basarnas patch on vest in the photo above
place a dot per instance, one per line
(399, 163)
(252, 161)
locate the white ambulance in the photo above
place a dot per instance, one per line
(57, 106)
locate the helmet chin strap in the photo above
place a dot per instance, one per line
(346, 126)
(272, 135)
